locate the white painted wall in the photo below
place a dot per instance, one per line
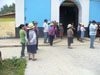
(19, 12)
(55, 4)
(83, 10)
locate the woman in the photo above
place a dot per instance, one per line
(82, 32)
(31, 41)
(22, 34)
(51, 33)
(61, 30)
(70, 34)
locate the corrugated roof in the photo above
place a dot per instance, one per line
(10, 13)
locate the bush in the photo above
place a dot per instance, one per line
(12, 66)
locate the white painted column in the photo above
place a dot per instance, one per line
(55, 4)
(85, 12)
(19, 12)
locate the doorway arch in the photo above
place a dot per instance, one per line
(55, 9)
(69, 14)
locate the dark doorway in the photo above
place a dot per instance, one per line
(69, 15)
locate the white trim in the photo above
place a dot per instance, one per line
(83, 10)
(19, 12)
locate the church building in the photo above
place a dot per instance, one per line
(64, 11)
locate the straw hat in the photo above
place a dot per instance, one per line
(51, 24)
(81, 24)
(69, 26)
(30, 26)
(61, 24)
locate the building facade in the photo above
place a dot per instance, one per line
(65, 11)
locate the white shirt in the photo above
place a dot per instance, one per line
(82, 29)
(45, 26)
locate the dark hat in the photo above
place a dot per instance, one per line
(45, 20)
(93, 21)
(21, 25)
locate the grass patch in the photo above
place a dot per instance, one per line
(12, 66)
(7, 19)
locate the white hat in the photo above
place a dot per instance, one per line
(69, 25)
(60, 24)
(81, 24)
(51, 24)
(30, 26)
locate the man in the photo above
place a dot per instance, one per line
(45, 29)
(37, 32)
(93, 31)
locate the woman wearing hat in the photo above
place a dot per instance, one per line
(22, 34)
(31, 41)
(61, 30)
(51, 33)
(82, 32)
(70, 34)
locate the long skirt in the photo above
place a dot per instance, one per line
(82, 35)
(32, 49)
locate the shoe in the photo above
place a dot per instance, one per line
(22, 56)
(92, 47)
(30, 59)
(70, 47)
(34, 59)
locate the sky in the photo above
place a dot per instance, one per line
(8, 2)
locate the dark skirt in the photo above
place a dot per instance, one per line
(31, 48)
(70, 39)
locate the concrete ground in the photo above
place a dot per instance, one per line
(58, 60)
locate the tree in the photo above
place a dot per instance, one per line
(6, 9)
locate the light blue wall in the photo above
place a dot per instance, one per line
(95, 11)
(37, 10)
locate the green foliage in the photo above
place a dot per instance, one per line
(12, 66)
(6, 9)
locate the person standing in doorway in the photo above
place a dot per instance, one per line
(22, 39)
(45, 29)
(31, 42)
(82, 32)
(51, 33)
(37, 32)
(70, 34)
(79, 31)
(93, 31)
(61, 30)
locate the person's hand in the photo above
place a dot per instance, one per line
(28, 42)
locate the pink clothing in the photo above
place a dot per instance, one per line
(26, 28)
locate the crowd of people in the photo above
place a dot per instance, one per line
(29, 34)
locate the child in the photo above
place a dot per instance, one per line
(22, 38)
(70, 35)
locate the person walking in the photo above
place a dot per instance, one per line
(61, 30)
(45, 29)
(51, 33)
(82, 32)
(93, 31)
(22, 34)
(31, 42)
(70, 34)
(37, 32)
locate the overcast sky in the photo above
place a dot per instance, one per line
(8, 2)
